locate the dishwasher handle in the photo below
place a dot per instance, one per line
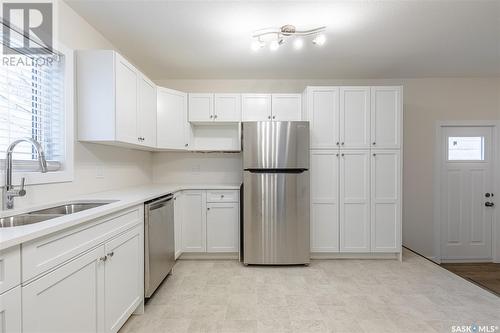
(159, 203)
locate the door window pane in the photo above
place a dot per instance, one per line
(466, 148)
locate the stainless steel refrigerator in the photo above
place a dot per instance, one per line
(276, 193)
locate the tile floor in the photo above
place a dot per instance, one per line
(328, 296)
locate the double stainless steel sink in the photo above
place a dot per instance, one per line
(48, 213)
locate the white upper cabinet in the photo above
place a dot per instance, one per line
(385, 201)
(355, 117)
(227, 107)
(146, 115)
(173, 129)
(115, 100)
(255, 107)
(214, 107)
(286, 107)
(386, 117)
(201, 107)
(354, 201)
(126, 101)
(323, 115)
(325, 201)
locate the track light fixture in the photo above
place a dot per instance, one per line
(275, 37)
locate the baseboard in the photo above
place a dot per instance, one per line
(209, 256)
(464, 261)
(361, 255)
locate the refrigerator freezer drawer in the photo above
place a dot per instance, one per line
(276, 218)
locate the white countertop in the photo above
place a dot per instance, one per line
(124, 198)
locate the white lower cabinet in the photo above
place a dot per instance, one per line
(324, 201)
(355, 201)
(69, 299)
(209, 221)
(10, 311)
(385, 201)
(194, 221)
(96, 289)
(178, 200)
(123, 278)
(222, 227)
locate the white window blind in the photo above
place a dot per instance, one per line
(32, 105)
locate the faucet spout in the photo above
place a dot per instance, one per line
(8, 191)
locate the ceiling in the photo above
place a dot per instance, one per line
(365, 39)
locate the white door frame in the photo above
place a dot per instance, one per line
(438, 153)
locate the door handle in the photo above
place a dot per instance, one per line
(489, 204)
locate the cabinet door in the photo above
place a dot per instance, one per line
(354, 201)
(227, 107)
(172, 125)
(146, 115)
(286, 107)
(255, 107)
(325, 201)
(194, 232)
(126, 99)
(386, 114)
(201, 107)
(178, 223)
(223, 227)
(10, 311)
(123, 282)
(323, 114)
(355, 117)
(385, 201)
(69, 299)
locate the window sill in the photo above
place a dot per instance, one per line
(38, 178)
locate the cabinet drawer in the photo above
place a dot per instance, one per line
(223, 196)
(10, 268)
(43, 254)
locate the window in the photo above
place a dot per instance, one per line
(36, 102)
(466, 148)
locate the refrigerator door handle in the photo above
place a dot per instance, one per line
(276, 170)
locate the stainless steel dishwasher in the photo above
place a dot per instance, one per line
(159, 250)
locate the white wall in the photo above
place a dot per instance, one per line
(114, 167)
(425, 102)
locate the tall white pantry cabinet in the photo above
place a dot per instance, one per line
(356, 168)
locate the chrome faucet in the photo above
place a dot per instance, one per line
(9, 193)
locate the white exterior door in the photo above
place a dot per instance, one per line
(222, 227)
(355, 117)
(10, 311)
(385, 201)
(255, 107)
(386, 113)
(69, 299)
(123, 285)
(323, 114)
(286, 107)
(355, 201)
(467, 197)
(201, 107)
(324, 201)
(146, 116)
(126, 101)
(194, 232)
(173, 129)
(227, 107)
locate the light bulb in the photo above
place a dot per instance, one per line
(274, 45)
(257, 45)
(298, 44)
(319, 40)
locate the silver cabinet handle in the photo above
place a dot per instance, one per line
(342, 155)
(337, 155)
(103, 258)
(222, 195)
(374, 154)
(337, 143)
(268, 117)
(342, 143)
(110, 254)
(374, 143)
(208, 208)
(211, 116)
(186, 145)
(215, 116)
(274, 117)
